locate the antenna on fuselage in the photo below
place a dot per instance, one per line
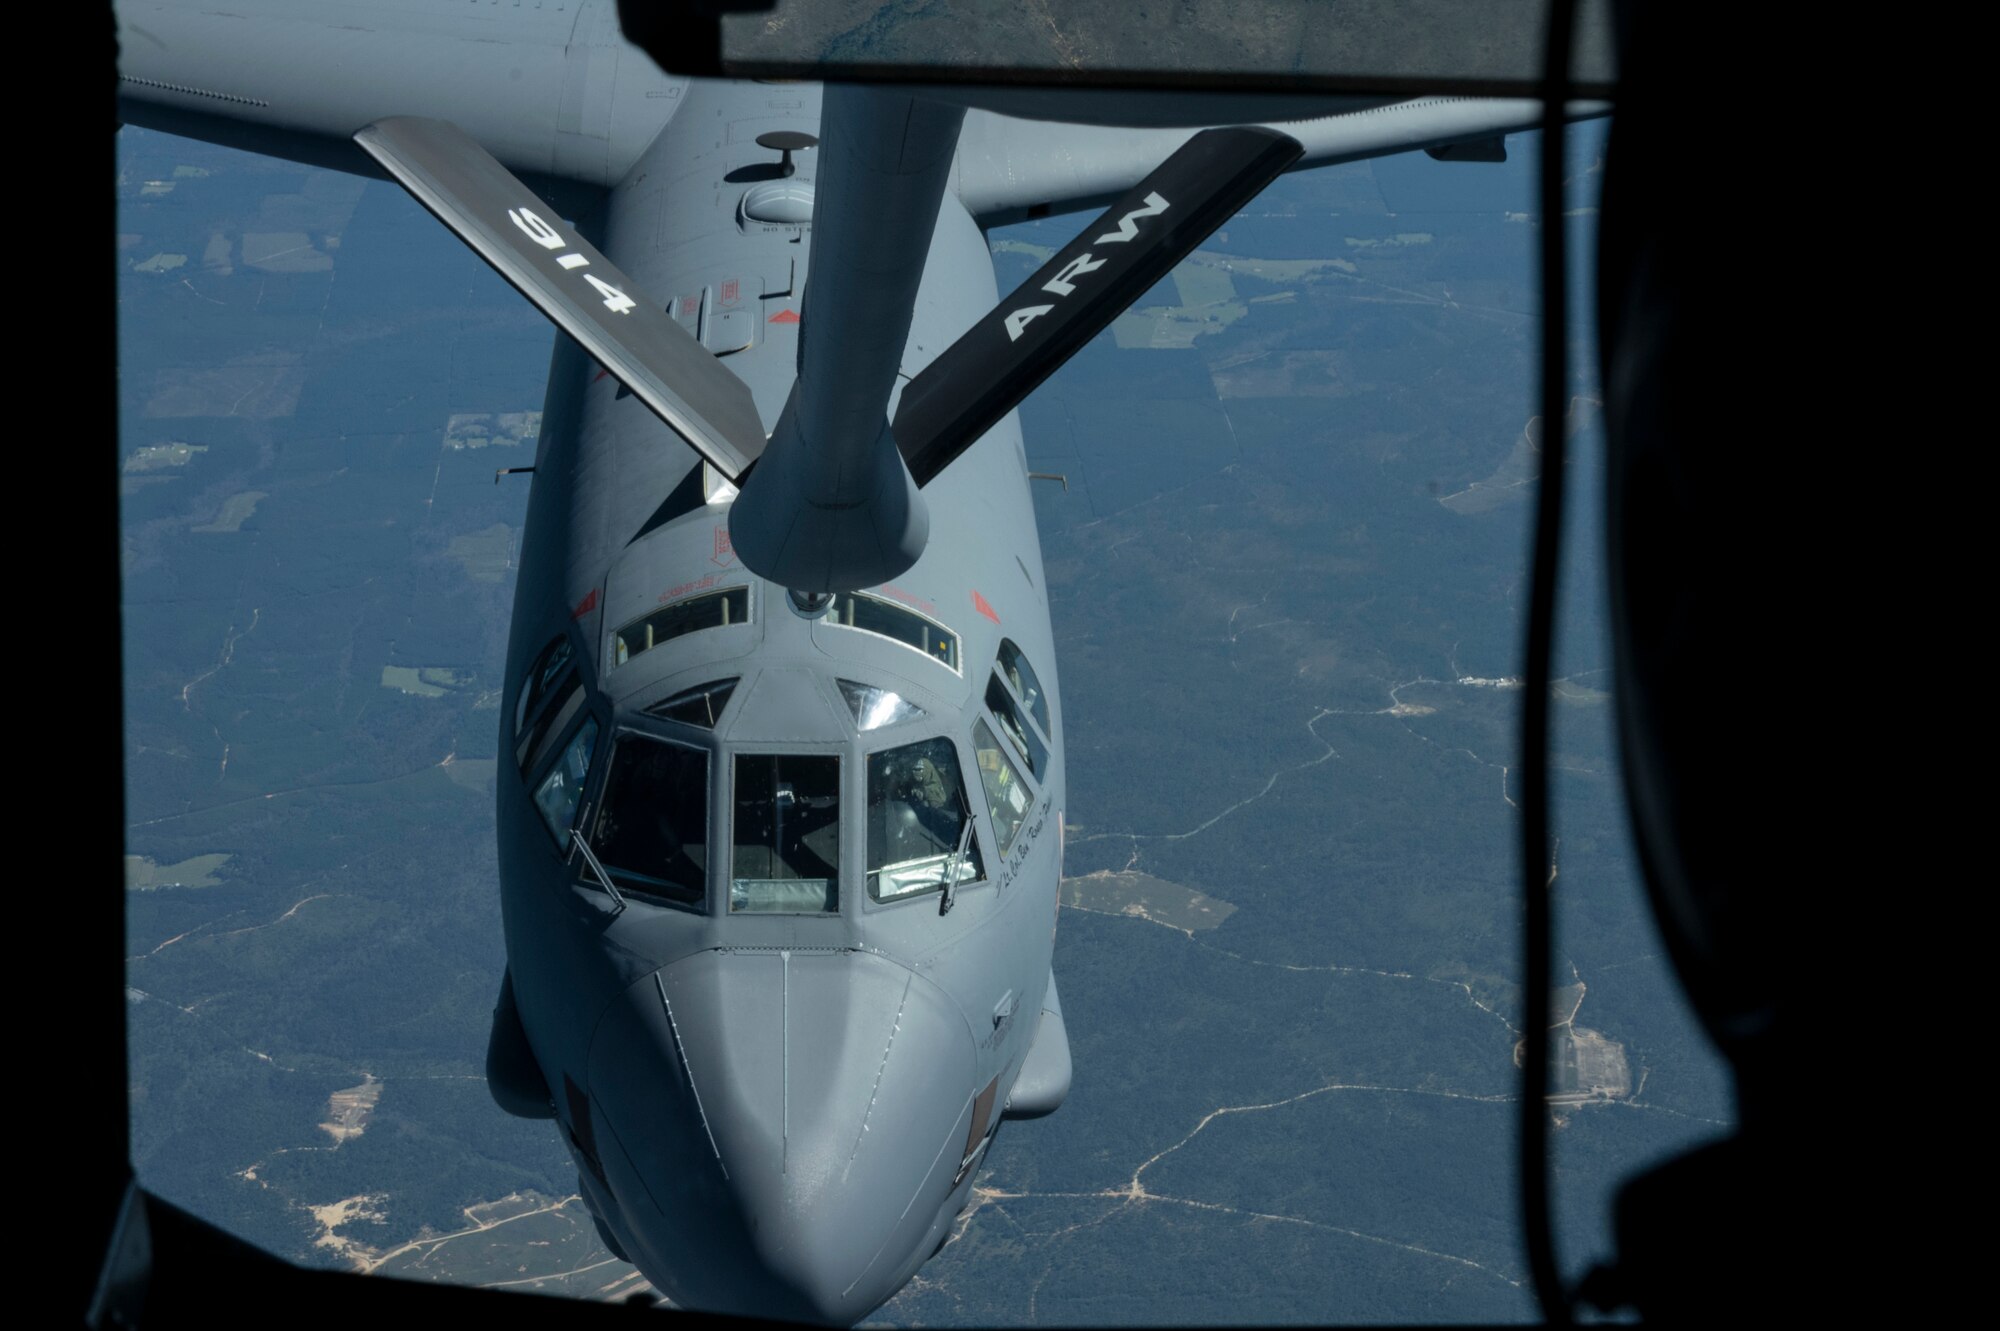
(787, 142)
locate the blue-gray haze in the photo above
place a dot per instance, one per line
(1287, 581)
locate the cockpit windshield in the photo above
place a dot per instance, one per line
(698, 706)
(874, 708)
(560, 790)
(787, 834)
(1015, 668)
(1008, 797)
(538, 715)
(554, 660)
(917, 814)
(652, 828)
(1027, 741)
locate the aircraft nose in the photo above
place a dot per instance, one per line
(833, 1089)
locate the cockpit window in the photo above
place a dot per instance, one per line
(538, 716)
(556, 797)
(786, 838)
(1008, 798)
(917, 813)
(710, 610)
(875, 708)
(698, 706)
(1026, 739)
(1014, 668)
(873, 615)
(547, 724)
(548, 667)
(652, 826)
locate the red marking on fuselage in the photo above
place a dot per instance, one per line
(585, 606)
(602, 373)
(699, 584)
(725, 553)
(784, 317)
(915, 602)
(984, 607)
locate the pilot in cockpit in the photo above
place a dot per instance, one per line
(927, 820)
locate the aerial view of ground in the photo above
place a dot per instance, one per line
(1230, 36)
(1287, 576)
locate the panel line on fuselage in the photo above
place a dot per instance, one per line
(681, 1049)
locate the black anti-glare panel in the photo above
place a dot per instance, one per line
(1116, 259)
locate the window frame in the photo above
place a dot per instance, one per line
(529, 696)
(615, 638)
(842, 890)
(956, 666)
(1004, 748)
(960, 752)
(582, 873)
(538, 772)
(1048, 729)
(726, 685)
(1033, 748)
(536, 711)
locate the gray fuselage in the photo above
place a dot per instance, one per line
(775, 1086)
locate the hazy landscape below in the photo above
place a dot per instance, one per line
(1287, 578)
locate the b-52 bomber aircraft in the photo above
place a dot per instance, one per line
(780, 839)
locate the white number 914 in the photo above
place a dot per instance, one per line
(549, 238)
